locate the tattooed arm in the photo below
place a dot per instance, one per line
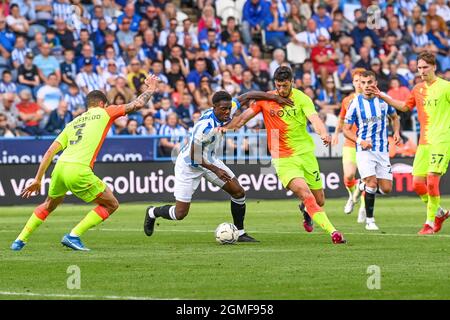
(141, 101)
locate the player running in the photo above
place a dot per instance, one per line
(349, 152)
(432, 100)
(292, 148)
(370, 114)
(81, 141)
(198, 159)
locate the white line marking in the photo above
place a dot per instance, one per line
(86, 296)
(281, 232)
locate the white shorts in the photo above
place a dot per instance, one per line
(372, 163)
(187, 178)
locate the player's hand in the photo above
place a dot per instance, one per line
(366, 145)
(222, 130)
(326, 138)
(397, 138)
(34, 187)
(283, 101)
(152, 83)
(334, 139)
(223, 175)
(375, 91)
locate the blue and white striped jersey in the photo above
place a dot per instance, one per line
(203, 134)
(370, 117)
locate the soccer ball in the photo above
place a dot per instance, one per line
(227, 233)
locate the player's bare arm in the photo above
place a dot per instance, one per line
(35, 186)
(141, 101)
(239, 121)
(397, 104)
(197, 157)
(396, 127)
(334, 138)
(320, 128)
(245, 98)
(349, 134)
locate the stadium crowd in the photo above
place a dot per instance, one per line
(52, 53)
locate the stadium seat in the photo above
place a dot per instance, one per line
(227, 9)
(295, 53)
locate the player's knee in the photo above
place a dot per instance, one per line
(433, 185)
(371, 183)
(320, 201)
(181, 213)
(240, 193)
(113, 205)
(420, 187)
(386, 189)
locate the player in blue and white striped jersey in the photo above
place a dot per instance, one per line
(371, 114)
(199, 159)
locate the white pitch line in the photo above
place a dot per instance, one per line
(81, 296)
(283, 232)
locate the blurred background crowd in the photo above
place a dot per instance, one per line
(52, 53)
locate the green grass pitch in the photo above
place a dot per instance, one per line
(183, 261)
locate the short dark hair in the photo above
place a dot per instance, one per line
(94, 97)
(368, 73)
(221, 96)
(428, 57)
(283, 73)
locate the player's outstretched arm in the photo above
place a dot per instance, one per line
(245, 98)
(141, 101)
(335, 137)
(239, 121)
(397, 104)
(35, 186)
(319, 128)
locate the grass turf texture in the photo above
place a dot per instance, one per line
(183, 261)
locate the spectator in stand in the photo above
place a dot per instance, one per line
(68, 69)
(9, 109)
(432, 15)
(30, 113)
(236, 73)
(382, 78)
(87, 53)
(7, 85)
(151, 49)
(397, 90)
(75, 100)
(111, 74)
(5, 131)
(97, 20)
(136, 76)
(125, 36)
(193, 78)
(247, 84)
(157, 70)
(329, 98)
(203, 93)
(62, 10)
(420, 42)
(176, 134)
(28, 75)
(58, 119)
(228, 84)
(83, 40)
(154, 20)
(7, 39)
(110, 54)
(279, 57)
(208, 13)
(120, 87)
(46, 64)
(64, 35)
(295, 23)
(360, 31)
(185, 111)
(131, 128)
(174, 74)
(19, 52)
(148, 126)
(188, 30)
(309, 37)
(393, 73)
(443, 10)
(275, 27)
(255, 52)
(237, 56)
(164, 110)
(87, 80)
(49, 95)
(322, 18)
(260, 77)
(130, 15)
(324, 59)
(253, 15)
(163, 36)
(344, 71)
(17, 23)
(229, 29)
(364, 61)
(440, 41)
